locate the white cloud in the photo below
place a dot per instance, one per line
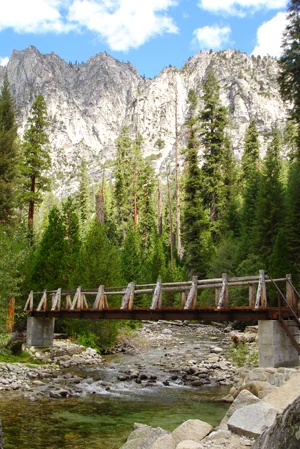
(33, 16)
(269, 36)
(123, 23)
(212, 37)
(4, 61)
(240, 7)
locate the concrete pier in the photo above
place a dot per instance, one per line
(40, 332)
(275, 347)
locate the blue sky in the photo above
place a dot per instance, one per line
(151, 34)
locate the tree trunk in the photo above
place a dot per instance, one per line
(177, 192)
(159, 209)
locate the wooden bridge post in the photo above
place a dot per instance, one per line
(217, 295)
(157, 297)
(252, 295)
(223, 293)
(261, 296)
(191, 302)
(290, 294)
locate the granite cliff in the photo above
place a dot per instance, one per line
(89, 103)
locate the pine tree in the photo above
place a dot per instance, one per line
(124, 191)
(293, 216)
(49, 266)
(250, 183)
(289, 79)
(269, 217)
(8, 151)
(279, 263)
(213, 118)
(83, 195)
(195, 224)
(36, 159)
(72, 237)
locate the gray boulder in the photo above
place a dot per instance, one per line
(285, 432)
(164, 442)
(143, 437)
(193, 429)
(189, 444)
(252, 420)
(1, 437)
(243, 399)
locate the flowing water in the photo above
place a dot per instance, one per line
(104, 419)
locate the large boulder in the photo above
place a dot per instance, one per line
(1, 437)
(285, 433)
(285, 395)
(189, 444)
(252, 420)
(164, 442)
(193, 429)
(243, 399)
(143, 437)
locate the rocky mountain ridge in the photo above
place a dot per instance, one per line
(89, 103)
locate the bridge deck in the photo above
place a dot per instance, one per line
(169, 313)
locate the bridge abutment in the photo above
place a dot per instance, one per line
(275, 347)
(40, 332)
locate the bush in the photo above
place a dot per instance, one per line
(242, 355)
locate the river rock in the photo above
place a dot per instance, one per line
(166, 331)
(1, 437)
(193, 429)
(253, 419)
(143, 437)
(164, 442)
(283, 396)
(243, 399)
(285, 433)
(189, 444)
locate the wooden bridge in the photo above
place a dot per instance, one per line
(43, 307)
(94, 303)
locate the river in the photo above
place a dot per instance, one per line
(104, 419)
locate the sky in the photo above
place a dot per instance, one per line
(151, 34)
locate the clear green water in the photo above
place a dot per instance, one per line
(102, 422)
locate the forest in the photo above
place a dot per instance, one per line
(210, 215)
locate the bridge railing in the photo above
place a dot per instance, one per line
(75, 300)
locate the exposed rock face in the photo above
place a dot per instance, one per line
(89, 103)
(285, 432)
(252, 420)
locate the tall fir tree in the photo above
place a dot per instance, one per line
(49, 265)
(250, 176)
(8, 152)
(124, 191)
(83, 194)
(36, 159)
(269, 216)
(213, 119)
(195, 223)
(289, 79)
(293, 216)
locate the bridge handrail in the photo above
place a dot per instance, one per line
(188, 289)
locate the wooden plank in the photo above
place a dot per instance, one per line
(68, 302)
(223, 298)
(217, 295)
(191, 302)
(157, 297)
(261, 296)
(252, 295)
(57, 300)
(127, 301)
(184, 296)
(43, 302)
(290, 294)
(76, 300)
(84, 303)
(29, 302)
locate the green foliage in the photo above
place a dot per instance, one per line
(89, 340)
(293, 216)
(83, 195)
(35, 158)
(269, 214)
(195, 223)
(289, 79)
(213, 119)
(242, 356)
(7, 357)
(8, 152)
(98, 260)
